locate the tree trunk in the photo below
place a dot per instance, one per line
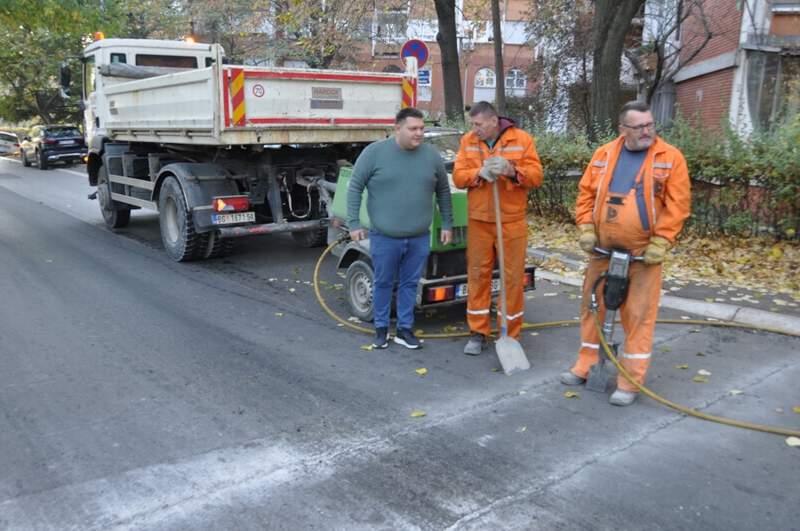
(610, 26)
(500, 78)
(451, 72)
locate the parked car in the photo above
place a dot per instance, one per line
(46, 144)
(9, 143)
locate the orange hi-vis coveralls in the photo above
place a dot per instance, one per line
(664, 182)
(518, 147)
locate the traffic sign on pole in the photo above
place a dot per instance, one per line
(415, 48)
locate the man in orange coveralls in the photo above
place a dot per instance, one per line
(495, 150)
(635, 196)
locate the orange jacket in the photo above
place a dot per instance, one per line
(667, 190)
(513, 144)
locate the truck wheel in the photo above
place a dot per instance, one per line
(311, 238)
(114, 216)
(24, 157)
(219, 247)
(178, 234)
(41, 160)
(358, 284)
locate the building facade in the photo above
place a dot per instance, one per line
(748, 73)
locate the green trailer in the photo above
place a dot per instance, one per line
(444, 279)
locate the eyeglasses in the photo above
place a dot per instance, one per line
(642, 127)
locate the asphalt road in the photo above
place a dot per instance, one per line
(140, 393)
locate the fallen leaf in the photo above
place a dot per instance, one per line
(422, 371)
(278, 314)
(367, 347)
(354, 319)
(419, 332)
(709, 299)
(685, 317)
(449, 329)
(700, 379)
(417, 414)
(796, 409)
(571, 394)
(550, 294)
(495, 369)
(666, 349)
(778, 410)
(734, 392)
(292, 290)
(699, 354)
(793, 441)
(694, 330)
(703, 372)
(522, 429)
(534, 333)
(684, 366)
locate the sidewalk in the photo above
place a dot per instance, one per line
(721, 303)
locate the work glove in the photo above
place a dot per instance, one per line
(656, 250)
(486, 173)
(500, 166)
(588, 239)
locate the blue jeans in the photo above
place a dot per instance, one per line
(400, 259)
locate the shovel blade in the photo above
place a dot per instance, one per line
(512, 357)
(597, 381)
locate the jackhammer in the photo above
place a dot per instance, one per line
(614, 292)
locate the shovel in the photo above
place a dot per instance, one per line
(509, 351)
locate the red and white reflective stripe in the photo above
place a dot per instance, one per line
(318, 76)
(323, 121)
(636, 356)
(593, 346)
(478, 312)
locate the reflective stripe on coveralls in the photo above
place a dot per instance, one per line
(621, 227)
(481, 257)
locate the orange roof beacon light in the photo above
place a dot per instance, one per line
(99, 35)
(189, 39)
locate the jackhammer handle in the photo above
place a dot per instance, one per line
(607, 253)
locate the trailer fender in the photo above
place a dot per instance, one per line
(354, 251)
(200, 183)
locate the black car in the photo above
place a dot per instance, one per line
(47, 144)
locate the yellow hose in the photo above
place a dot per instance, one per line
(683, 409)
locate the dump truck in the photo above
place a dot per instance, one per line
(223, 151)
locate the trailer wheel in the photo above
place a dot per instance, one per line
(358, 285)
(311, 238)
(219, 247)
(178, 234)
(114, 216)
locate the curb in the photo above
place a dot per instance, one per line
(788, 324)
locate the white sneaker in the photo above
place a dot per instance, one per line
(622, 398)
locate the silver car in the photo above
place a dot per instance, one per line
(9, 143)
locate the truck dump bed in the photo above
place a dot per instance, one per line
(236, 105)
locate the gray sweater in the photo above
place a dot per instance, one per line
(400, 187)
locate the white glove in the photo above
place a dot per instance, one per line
(499, 166)
(486, 174)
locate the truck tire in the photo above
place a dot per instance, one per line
(311, 238)
(219, 247)
(358, 289)
(41, 161)
(178, 234)
(24, 157)
(114, 216)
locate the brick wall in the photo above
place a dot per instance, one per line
(724, 21)
(705, 100)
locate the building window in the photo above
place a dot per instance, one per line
(785, 6)
(392, 69)
(773, 88)
(392, 25)
(484, 78)
(516, 79)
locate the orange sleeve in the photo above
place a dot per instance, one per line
(587, 192)
(529, 167)
(465, 169)
(677, 201)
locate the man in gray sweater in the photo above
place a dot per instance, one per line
(401, 175)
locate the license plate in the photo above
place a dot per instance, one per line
(461, 289)
(67, 142)
(237, 217)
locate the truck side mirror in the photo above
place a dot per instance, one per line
(66, 78)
